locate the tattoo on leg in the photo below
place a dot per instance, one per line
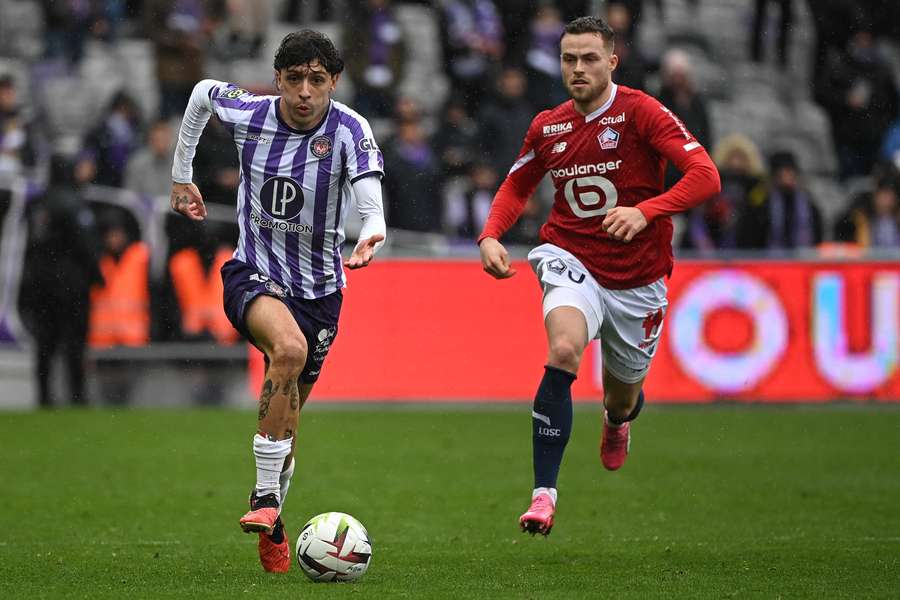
(288, 433)
(269, 390)
(295, 396)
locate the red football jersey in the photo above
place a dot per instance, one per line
(615, 156)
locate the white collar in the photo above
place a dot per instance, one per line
(612, 96)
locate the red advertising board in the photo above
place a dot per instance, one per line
(747, 331)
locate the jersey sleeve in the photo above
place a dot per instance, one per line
(233, 105)
(363, 155)
(667, 135)
(523, 177)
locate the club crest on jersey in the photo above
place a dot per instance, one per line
(321, 146)
(608, 138)
(557, 129)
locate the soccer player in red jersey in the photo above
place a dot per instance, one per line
(606, 247)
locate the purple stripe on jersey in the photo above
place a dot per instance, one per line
(323, 181)
(292, 240)
(238, 104)
(247, 152)
(356, 131)
(273, 160)
(338, 271)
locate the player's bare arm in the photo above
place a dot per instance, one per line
(187, 200)
(495, 259)
(364, 252)
(624, 222)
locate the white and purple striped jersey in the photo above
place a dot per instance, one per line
(295, 187)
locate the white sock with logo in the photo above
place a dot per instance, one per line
(545, 490)
(284, 481)
(270, 457)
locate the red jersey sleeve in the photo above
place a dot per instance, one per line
(520, 183)
(668, 136)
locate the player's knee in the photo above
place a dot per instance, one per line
(565, 354)
(289, 354)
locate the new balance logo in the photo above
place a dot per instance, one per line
(558, 147)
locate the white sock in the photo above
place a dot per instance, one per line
(545, 490)
(269, 461)
(284, 481)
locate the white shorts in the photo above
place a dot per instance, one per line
(628, 322)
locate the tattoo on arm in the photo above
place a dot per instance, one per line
(269, 390)
(181, 201)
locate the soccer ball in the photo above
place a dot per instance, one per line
(333, 546)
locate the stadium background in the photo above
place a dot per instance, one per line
(765, 464)
(450, 87)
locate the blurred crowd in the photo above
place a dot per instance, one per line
(444, 161)
(500, 58)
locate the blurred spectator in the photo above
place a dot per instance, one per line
(245, 26)
(66, 26)
(120, 308)
(60, 267)
(466, 211)
(890, 145)
(542, 60)
(713, 224)
(114, 140)
(458, 138)
(375, 51)
(787, 217)
(760, 22)
(515, 16)
(180, 30)
(216, 166)
(17, 148)
(505, 119)
(413, 194)
(632, 68)
(473, 45)
(149, 171)
(679, 93)
(861, 99)
(874, 219)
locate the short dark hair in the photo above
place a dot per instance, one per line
(305, 46)
(592, 25)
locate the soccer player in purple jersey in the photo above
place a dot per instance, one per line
(304, 159)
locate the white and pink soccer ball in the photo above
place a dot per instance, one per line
(333, 546)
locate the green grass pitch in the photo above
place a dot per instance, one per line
(714, 502)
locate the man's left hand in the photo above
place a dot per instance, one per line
(363, 253)
(624, 222)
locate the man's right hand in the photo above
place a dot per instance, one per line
(186, 199)
(495, 259)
